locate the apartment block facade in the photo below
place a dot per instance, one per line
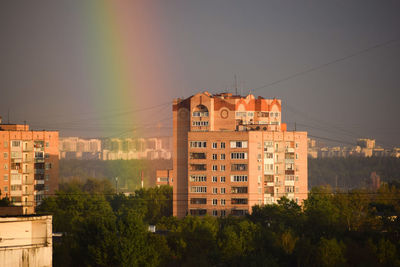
(28, 165)
(231, 153)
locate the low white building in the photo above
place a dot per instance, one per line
(26, 241)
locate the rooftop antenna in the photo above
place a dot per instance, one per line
(235, 84)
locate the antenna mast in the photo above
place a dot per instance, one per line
(235, 84)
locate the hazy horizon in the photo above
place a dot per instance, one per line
(100, 68)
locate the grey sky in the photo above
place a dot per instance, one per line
(204, 43)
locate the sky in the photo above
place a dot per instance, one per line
(112, 68)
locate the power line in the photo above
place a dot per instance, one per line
(318, 67)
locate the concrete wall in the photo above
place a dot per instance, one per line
(26, 241)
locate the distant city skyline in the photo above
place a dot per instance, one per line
(111, 69)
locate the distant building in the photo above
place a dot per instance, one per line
(26, 241)
(28, 164)
(115, 148)
(375, 181)
(164, 177)
(231, 153)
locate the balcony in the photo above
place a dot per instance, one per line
(39, 171)
(289, 172)
(198, 201)
(198, 212)
(239, 167)
(27, 193)
(194, 155)
(239, 190)
(39, 176)
(198, 167)
(239, 201)
(289, 150)
(39, 160)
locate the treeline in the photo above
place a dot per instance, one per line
(351, 172)
(356, 228)
(127, 171)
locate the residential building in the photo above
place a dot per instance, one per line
(232, 152)
(26, 241)
(28, 165)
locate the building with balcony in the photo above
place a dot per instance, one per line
(28, 165)
(232, 152)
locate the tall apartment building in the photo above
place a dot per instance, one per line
(28, 165)
(232, 152)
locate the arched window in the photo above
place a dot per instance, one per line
(200, 111)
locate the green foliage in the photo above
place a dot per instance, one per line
(351, 172)
(332, 228)
(127, 171)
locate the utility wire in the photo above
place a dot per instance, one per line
(324, 65)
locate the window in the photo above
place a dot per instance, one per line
(198, 167)
(16, 187)
(238, 178)
(5, 189)
(214, 156)
(296, 178)
(48, 176)
(259, 190)
(239, 190)
(239, 155)
(215, 179)
(259, 179)
(46, 188)
(222, 190)
(198, 201)
(215, 190)
(5, 155)
(223, 202)
(238, 144)
(198, 189)
(239, 201)
(215, 213)
(223, 145)
(199, 123)
(5, 177)
(297, 156)
(214, 167)
(5, 166)
(289, 189)
(259, 167)
(222, 167)
(198, 178)
(222, 156)
(297, 189)
(239, 167)
(16, 143)
(222, 179)
(215, 201)
(223, 212)
(198, 144)
(214, 145)
(47, 144)
(5, 144)
(194, 155)
(47, 155)
(48, 166)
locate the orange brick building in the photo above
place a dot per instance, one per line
(164, 177)
(28, 165)
(232, 152)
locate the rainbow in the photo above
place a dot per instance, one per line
(122, 47)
